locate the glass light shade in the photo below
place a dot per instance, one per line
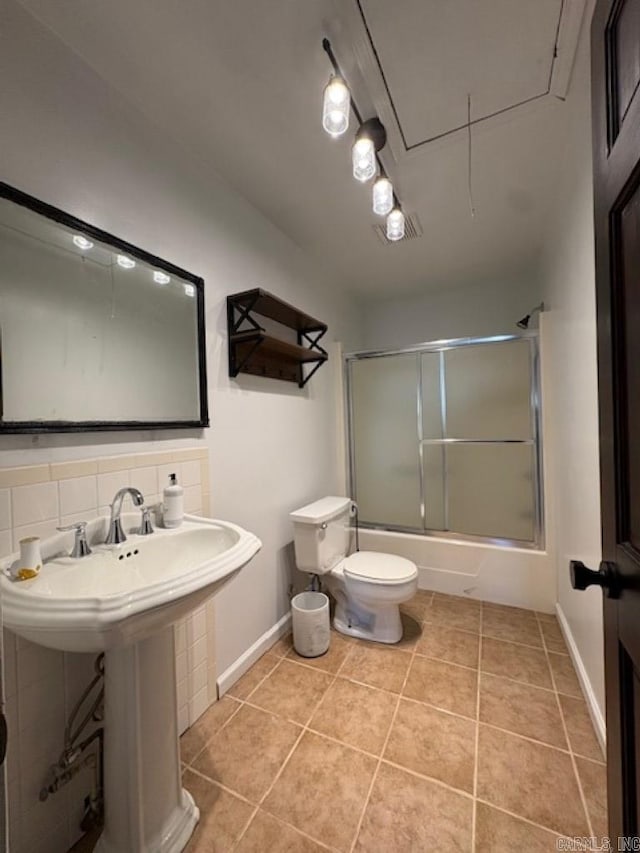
(335, 107)
(363, 156)
(395, 225)
(82, 242)
(125, 262)
(382, 196)
(161, 277)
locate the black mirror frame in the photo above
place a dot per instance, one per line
(30, 427)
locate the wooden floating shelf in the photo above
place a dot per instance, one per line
(256, 352)
(275, 346)
(260, 302)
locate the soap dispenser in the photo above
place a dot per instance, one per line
(173, 503)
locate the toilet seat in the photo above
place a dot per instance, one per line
(378, 568)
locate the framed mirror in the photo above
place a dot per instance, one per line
(95, 334)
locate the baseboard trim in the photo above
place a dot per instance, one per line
(585, 682)
(247, 659)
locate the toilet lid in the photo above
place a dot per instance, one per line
(373, 566)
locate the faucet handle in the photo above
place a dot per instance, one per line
(145, 522)
(77, 525)
(80, 545)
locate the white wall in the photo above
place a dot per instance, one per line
(475, 310)
(571, 393)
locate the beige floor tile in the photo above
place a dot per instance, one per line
(282, 646)
(411, 633)
(417, 605)
(358, 715)
(407, 814)
(434, 744)
(513, 661)
(445, 685)
(377, 665)
(521, 708)
(564, 675)
(553, 639)
(582, 736)
(515, 626)
(546, 617)
(449, 644)
(268, 835)
(247, 754)
(455, 612)
(531, 780)
(507, 609)
(593, 778)
(292, 691)
(497, 832)
(323, 789)
(197, 737)
(245, 685)
(332, 660)
(223, 817)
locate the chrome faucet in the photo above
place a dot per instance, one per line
(116, 534)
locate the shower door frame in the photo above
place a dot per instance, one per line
(535, 409)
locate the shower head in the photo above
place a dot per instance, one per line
(524, 323)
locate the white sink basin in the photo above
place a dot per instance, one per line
(124, 599)
(122, 593)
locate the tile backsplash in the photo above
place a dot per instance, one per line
(41, 686)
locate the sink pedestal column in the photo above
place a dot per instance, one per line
(146, 808)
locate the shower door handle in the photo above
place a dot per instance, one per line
(606, 577)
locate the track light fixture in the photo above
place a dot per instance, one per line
(382, 196)
(335, 107)
(395, 225)
(370, 139)
(363, 158)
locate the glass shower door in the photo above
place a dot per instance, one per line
(385, 451)
(445, 439)
(491, 460)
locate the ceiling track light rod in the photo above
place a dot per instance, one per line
(326, 46)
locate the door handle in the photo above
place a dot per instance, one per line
(606, 577)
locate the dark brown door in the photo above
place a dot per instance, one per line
(615, 55)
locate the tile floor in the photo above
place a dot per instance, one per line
(470, 735)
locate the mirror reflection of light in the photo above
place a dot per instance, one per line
(189, 290)
(125, 262)
(161, 277)
(82, 242)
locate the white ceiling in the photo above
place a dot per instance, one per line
(240, 85)
(435, 54)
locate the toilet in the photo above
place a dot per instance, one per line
(368, 587)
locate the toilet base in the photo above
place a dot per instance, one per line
(382, 626)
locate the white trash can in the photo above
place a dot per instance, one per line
(310, 622)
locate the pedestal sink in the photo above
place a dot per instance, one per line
(123, 600)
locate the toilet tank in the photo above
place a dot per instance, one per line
(321, 534)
